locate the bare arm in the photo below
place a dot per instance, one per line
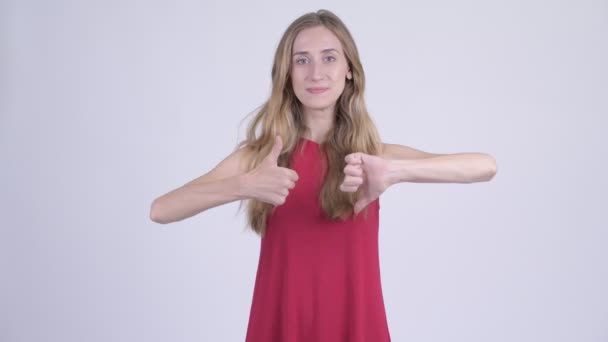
(449, 168)
(223, 184)
(406, 164)
(228, 181)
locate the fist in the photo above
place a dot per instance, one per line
(269, 182)
(368, 172)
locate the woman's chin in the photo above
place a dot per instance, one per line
(318, 105)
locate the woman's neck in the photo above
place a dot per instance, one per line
(318, 124)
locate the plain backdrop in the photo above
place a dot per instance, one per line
(106, 105)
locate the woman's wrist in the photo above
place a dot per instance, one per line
(245, 187)
(397, 170)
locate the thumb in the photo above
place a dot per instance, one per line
(273, 156)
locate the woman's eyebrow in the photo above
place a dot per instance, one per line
(322, 51)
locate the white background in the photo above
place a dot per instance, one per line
(106, 105)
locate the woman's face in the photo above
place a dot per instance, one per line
(318, 68)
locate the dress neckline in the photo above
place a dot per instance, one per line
(310, 141)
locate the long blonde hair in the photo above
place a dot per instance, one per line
(282, 114)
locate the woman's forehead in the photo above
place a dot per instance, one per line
(317, 39)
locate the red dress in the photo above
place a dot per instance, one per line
(317, 280)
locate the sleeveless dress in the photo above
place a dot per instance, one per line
(318, 280)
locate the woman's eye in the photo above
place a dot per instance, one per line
(331, 58)
(301, 61)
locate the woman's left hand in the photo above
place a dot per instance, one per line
(366, 171)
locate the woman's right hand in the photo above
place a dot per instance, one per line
(269, 182)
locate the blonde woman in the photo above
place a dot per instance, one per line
(311, 170)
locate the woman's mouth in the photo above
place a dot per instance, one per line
(317, 90)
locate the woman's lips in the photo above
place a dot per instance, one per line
(317, 90)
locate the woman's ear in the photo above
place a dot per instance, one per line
(349, 75)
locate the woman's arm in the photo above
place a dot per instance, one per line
(228, 181)
(223, 184)
(398, 163)
(192, 199)
(448, 168)
(406, 164)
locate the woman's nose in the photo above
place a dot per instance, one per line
(316, 71)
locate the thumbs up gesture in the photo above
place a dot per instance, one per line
(269, 182)
(368, 172)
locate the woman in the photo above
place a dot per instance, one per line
(316, 163)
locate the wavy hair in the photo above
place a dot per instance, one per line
(282, 114)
